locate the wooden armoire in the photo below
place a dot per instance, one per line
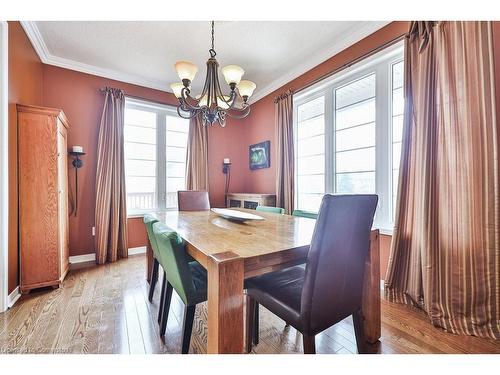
(43, 196)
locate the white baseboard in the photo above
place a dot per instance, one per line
(91, 257)
(137, 250)
(82, 258)
(13, 297)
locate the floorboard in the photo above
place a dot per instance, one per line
(105, 309)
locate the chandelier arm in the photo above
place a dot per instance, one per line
(243, 108)
(240, 113)
(210, 93)
(232, 96)
(221, 119)
(206, 86)
(217, 93)
(186, 117)
(187, 106)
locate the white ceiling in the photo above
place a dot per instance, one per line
(144, 53)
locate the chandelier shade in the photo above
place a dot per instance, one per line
(186, 70)
(232, 74)
(212, 104)
(246, 88)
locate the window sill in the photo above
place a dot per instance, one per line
(140, 214)
(385, 231)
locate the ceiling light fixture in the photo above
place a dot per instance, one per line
(212, 104)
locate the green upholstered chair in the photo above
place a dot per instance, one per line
(274, 210)
(302, 213)
(149, 220)
(188, 278)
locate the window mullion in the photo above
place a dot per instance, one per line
(330, 141)
(382, 143)
(161, 159)
(295, 153)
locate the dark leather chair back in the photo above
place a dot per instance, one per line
(335, 265)
(193, 200)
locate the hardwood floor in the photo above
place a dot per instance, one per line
(105, 310)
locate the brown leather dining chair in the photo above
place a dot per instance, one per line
(329, 288)
(193, 200)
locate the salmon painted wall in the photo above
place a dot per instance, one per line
(25, 86)
(78, 95)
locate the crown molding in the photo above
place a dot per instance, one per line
(355, 34)
(46, 57)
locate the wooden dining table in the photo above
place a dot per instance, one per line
(232, 252)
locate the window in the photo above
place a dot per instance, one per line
(311, 153)
(348, 131)
(155, 156)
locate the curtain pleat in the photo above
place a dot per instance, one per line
(197, 155)
(111, 208)
(445, 252)
(285, 160)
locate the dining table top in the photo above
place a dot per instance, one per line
(212, 234)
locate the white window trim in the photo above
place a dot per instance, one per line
(162, 110)
(4, 167)
(381, 64)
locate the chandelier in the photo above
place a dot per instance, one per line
(212, 104)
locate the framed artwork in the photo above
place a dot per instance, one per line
(259, 156)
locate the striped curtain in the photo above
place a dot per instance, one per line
(285, 160)
(197, 155)
(445, 253)
(110, 207)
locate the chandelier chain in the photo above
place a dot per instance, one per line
(213, 37)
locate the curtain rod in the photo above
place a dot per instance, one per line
(103, 89)
(352, 62)
(150, 100)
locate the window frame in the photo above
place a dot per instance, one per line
(162, 111)
(381, 64)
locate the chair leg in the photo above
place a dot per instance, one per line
(250, 322)
(154, 279)
(162, 297)
(309, 344)
(256, 324)
(166, 307)
(187, 327)
(359, 331)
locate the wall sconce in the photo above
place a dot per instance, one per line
(226, 169)
(76, 152)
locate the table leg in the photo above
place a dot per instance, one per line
(371, 291)
(225, 303)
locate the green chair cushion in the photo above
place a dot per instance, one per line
(275, 210)
(302, 213)
(149, 220)
(188, 278)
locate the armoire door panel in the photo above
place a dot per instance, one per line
(38, 206)
(43, 229)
